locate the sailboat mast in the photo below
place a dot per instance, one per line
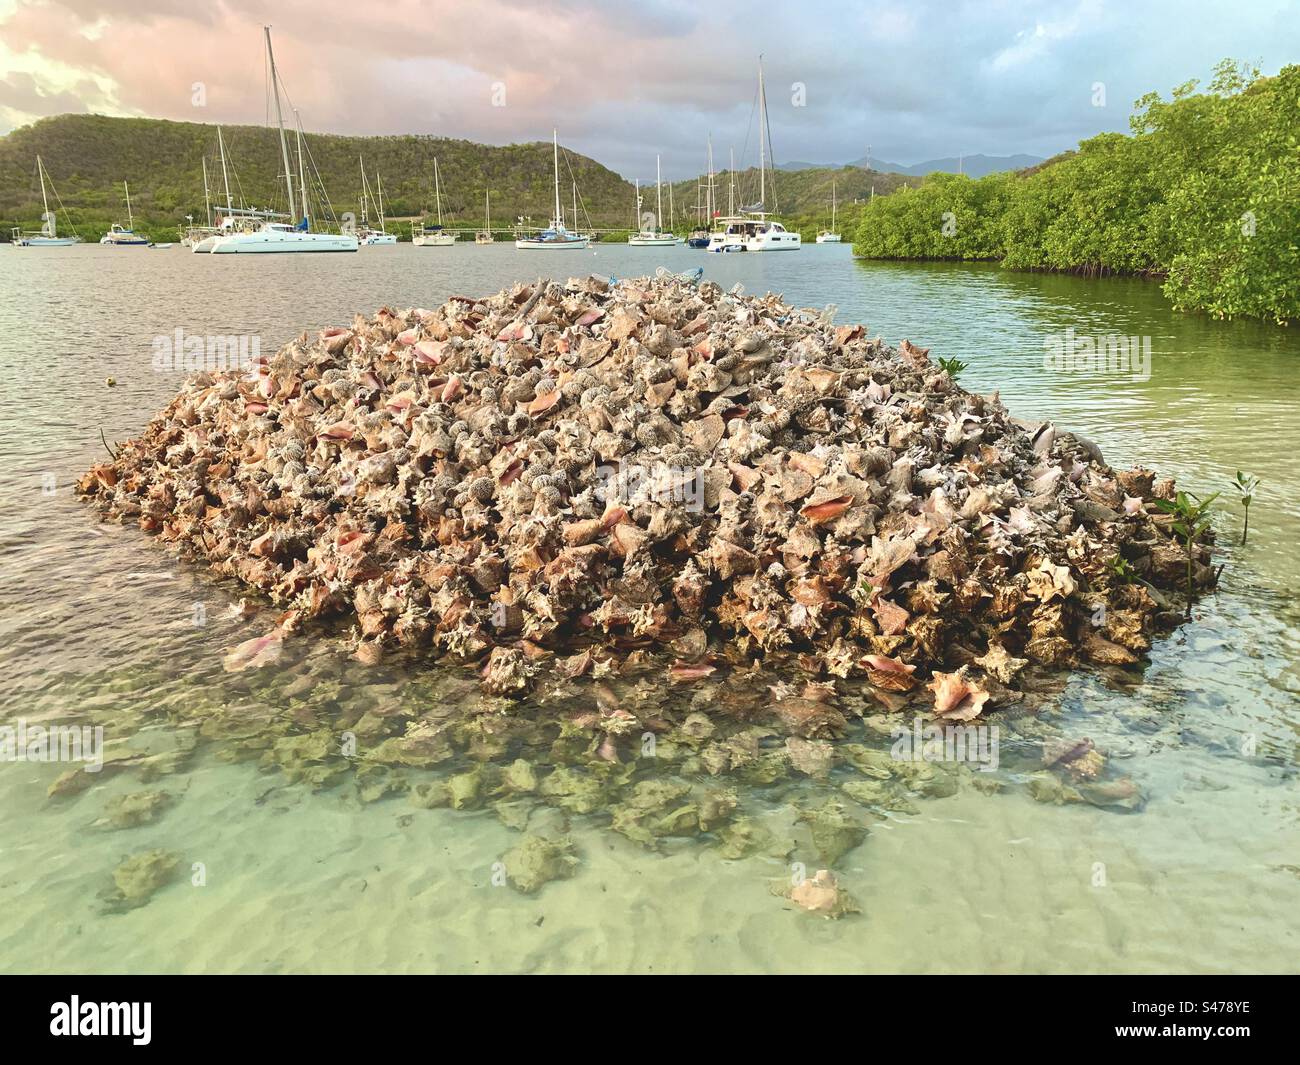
(130, 219)
(636, 210)
(437, 190)
(659, 198)
(731, 184)
(47, 219)
(575, 206)
(555, 145)
(45, 203)
(302, 177)
(225, 178)
(379, 194)
(364, 188)
(279, 118)
(207, 200)
(762, 138)
(832, 205)
(487, 210)
(709, 190)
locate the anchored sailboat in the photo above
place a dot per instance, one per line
(752, 229)
(279, 236)
(484, 235)
(48, 235)
(230, 219)
(557, 237)
(368, 234)
(120, 236)
(651, 235)
(699, 237)
(830, 236)
(433, 236)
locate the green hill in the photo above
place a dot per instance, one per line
(89, 156)
(801, 199)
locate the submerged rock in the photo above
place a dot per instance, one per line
(137, 879)
(134, 809)
(834, 831)
(537, 860)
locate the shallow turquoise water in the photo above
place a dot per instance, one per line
(98, 624)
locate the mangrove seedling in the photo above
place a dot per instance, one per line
(1245, 485)
(1119, 568)
(952, 366)
(1191, 516)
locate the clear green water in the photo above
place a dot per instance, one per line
(97, 624)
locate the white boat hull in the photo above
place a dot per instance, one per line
(652, 240)
(551, 245)
(205, 245)
(763, 242)
(277, 241)
(45, 242)
(124, 242)
(828, 238)
(433, 240)
(379, 238)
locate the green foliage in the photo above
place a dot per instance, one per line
(1191, 516)
(952, 366)
(1205, 193)
(1118, 567)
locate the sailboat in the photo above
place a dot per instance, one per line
(557, 237)
(752, 229)
(48, 235)
(433, 236)
(484, 235)
(830, 236)
(653, 237)
(120, 236)
(699, 237)
(280, 236)
(368, 234)
(230, 219)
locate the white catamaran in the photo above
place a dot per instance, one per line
(48, 235)
(830, 236)
(125, 236)
(279, 236)
(651, 235)
(230, 219)
(752, 229)
(433, 236)
(557, 237)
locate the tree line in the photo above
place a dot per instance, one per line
(1203, 195)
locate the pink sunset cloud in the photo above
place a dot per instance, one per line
(624, 81)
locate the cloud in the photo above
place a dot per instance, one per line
(626, 81)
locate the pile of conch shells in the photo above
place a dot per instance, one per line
(561, 475)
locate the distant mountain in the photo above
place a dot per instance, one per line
(974, 165)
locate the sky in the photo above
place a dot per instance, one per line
(910, 79)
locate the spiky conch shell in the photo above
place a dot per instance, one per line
(887, 516)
